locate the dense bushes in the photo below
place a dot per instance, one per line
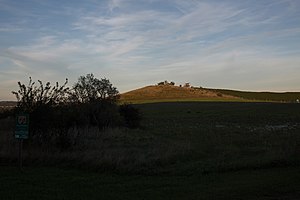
(54, 110)
(6, 112)
(49, 125)
(131, 115)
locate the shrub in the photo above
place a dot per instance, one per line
(131, 115)
(6, 112)
(31, 96)
(101, 113)
(54, 110)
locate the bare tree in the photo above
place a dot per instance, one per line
(31, 95)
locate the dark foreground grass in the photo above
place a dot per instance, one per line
(179, 138)
(190, 150)
(221, 136)
(55, 183)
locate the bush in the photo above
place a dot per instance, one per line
(50, 124)
(131, 115)
(31, 96)
(55, 110)
(100, 113)
(6, 112)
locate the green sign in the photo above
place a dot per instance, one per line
(22, 126)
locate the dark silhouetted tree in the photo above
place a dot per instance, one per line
(55, 109)
(88, 89)
(132, 116)
(31, 96)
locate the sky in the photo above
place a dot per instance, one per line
(245, 45)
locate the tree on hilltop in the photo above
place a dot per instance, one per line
(166, 83)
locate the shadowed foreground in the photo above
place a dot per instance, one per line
(53, 183)
(182, 151)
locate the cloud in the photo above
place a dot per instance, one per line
(212, 42)
(113, 4)
(10, 29)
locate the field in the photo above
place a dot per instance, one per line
(53, 183)
(262, 96)
(187, 150)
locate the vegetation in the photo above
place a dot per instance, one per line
(167, 93)
(180, 138)
(131, 115)
(262, 96)
(211, 150)
(31, 96)
(54, 184)
(54, 110)
(166, 83)
(88, 89)
(180, 150)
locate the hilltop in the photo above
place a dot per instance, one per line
(157, 93)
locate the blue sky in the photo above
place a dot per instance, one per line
(246, 45)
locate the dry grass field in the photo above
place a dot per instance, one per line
(167, 93)
(170, 93)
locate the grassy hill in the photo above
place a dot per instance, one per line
(261, 96)
(170, 93)
(161, 93)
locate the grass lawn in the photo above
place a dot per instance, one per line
(55, 183)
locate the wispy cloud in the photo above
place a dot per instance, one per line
(216, 43)
(10, 29)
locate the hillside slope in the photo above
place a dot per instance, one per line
(173, 93)
(8, 103)
(261, 96)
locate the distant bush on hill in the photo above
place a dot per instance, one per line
(166, 83)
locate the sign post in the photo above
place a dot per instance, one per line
(21, 132)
